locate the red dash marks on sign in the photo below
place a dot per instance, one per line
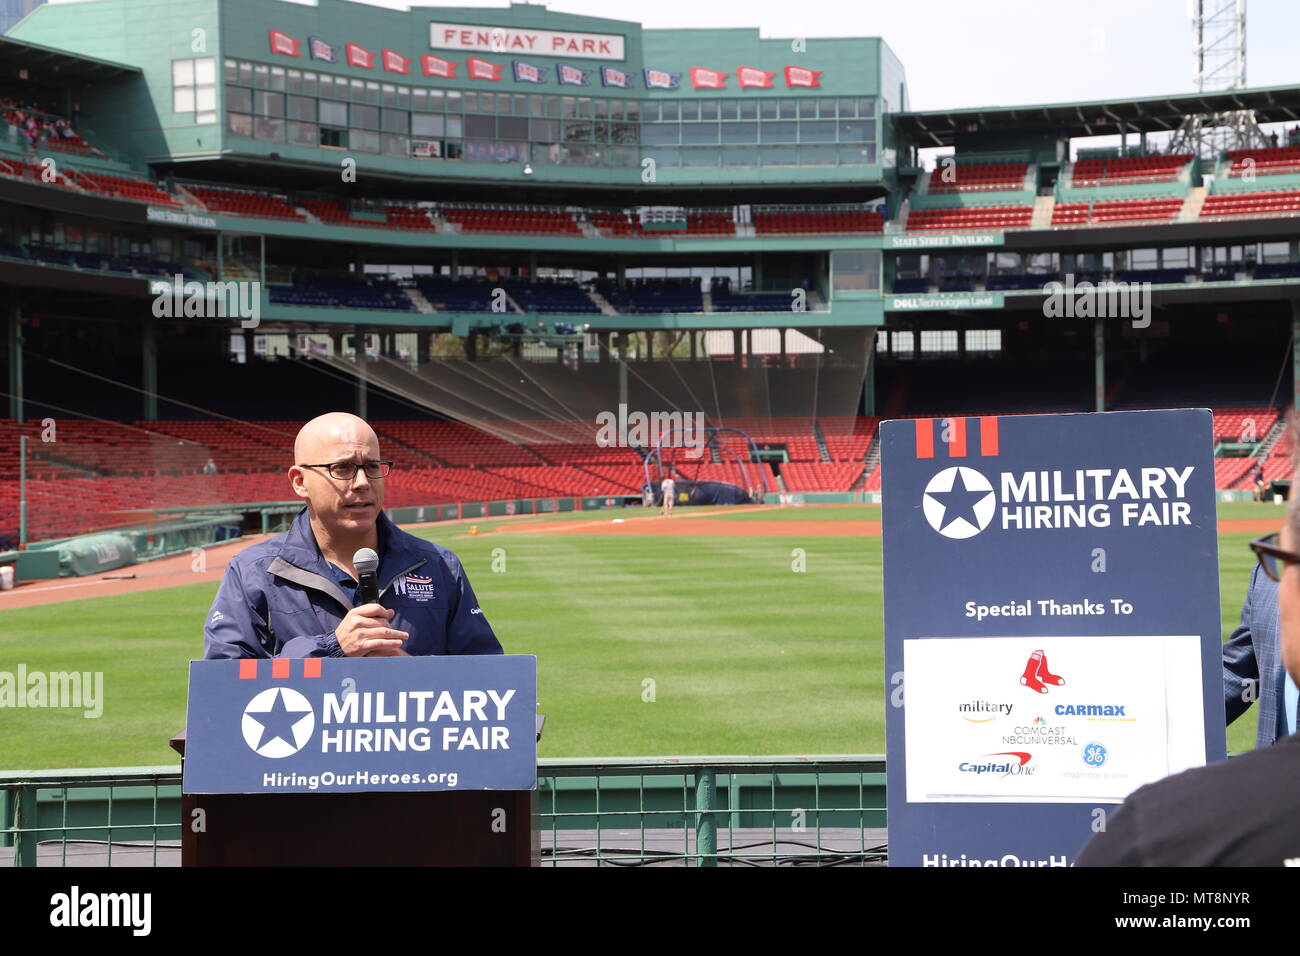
(280, 667)
(311, 667)
(957, 437)
(989, 437)
(925, 438)
(248, 668)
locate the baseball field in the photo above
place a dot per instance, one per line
(715, 631)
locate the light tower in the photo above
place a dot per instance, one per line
(1219, 63)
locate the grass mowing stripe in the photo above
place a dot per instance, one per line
(748, 655)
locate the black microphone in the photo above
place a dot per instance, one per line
(367, 563)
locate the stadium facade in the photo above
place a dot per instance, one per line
(484, 228)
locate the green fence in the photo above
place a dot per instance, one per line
(635, 811)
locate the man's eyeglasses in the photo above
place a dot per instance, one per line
(1272, 558)
(347, 470)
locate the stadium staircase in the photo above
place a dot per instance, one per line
(873, 450)
(707, 298)
(1194, 204)
(418, 453)
(1042, 217)
(823, 452)
(1274, 435)
(602, 302)
(417, 299)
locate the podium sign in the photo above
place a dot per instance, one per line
(350, 725)
(1051, 626)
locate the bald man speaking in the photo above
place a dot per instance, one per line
(296, 595)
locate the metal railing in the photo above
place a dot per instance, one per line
(634, 811)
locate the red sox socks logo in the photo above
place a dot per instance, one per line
(1036, 674)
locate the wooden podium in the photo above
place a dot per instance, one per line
(438, 828)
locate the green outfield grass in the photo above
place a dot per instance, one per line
(746, 656)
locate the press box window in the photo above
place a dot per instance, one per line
(194, 89)
(855, 270)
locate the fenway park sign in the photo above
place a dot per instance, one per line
(489, 39)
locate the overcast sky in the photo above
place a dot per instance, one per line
(962, 53)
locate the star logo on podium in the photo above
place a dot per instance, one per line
(278, 722)
(959, 502)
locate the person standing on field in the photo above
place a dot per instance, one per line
(669, 489)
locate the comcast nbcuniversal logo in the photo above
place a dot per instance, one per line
(278, 722)
(959, 502)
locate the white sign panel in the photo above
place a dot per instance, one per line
(1049, 719)
(509, 40)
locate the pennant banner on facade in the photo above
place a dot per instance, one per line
(661, 80)
(798, 76)
(438, 66)
(483, 70)
(395, 62)
(359, 56)
(749, 76)
(528, 72)
(572, 75)
(318, 49)
(704, 79)
(612, 77)
(283, 43)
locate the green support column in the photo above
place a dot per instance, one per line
(706, 825)
(149, 366)
(1295, 353)
(22, 492)
(869, 380)
(25, 820)
(359, 340)
(622, 368)
(1099, 362)
(15, 343)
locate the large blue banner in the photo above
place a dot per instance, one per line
(339, 725)
(1051, 626)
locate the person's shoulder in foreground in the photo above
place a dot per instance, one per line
(1239, 812)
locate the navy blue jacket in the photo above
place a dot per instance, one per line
(280, 598)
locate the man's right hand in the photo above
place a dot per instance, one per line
(364, 632)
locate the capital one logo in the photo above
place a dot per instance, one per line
(959, 502)
(278, 722)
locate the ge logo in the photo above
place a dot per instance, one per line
(959, 502)
(1094, 755)
(278, 722)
